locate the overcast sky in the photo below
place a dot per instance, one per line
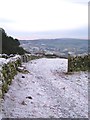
(34, 19)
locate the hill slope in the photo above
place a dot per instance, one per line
(10, 45)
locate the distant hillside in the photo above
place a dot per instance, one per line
(10, 45)
(60, 45)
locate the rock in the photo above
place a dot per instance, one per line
(22, 70)
(23, 76)
(23, 103)
(29, 97)
(63, 88)
(31, 102)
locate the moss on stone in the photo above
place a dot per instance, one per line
(78, 63)
(8, 72)
(4, 88)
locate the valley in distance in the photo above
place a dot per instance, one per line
(59, 46)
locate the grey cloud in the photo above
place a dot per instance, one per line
(76, 33)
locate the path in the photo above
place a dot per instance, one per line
(47, 92)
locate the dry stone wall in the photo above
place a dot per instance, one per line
(78, 63)
(8, 69)
(28, 57)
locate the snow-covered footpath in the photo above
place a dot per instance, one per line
(47, 91)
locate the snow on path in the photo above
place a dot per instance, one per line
(47, 92)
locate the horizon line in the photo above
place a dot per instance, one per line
(55, 38)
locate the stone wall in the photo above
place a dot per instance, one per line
(28, 57)
(8, 69)
(78, 63)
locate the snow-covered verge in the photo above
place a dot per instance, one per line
(47, 91)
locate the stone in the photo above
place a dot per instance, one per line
(23, 76)
(23, 103)
(29, 97)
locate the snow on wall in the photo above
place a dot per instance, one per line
(8, 69)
